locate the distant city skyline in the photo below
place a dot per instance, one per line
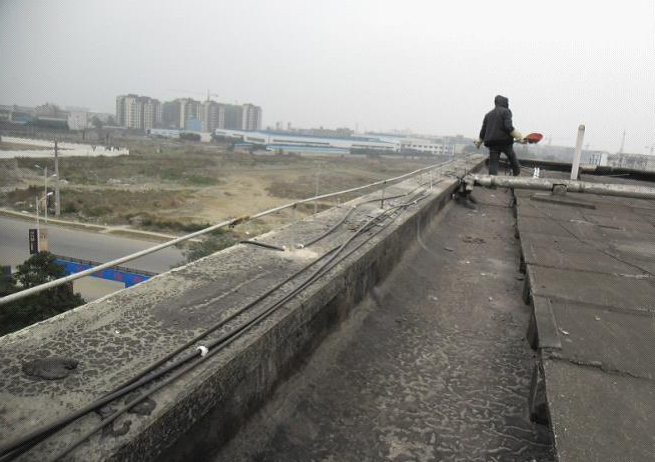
(375, 65)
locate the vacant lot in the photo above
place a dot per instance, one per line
(177, 187)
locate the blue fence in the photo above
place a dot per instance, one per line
(124, 275)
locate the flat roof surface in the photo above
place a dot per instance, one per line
(433, 367)
(590, 261)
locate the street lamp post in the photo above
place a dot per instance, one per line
(45, 177)
(46, 194)
(57, 201)
(45, 207)
(36, 200)
(42, 237)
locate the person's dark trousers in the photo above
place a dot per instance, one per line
(494, 157)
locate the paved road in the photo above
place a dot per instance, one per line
(81, 244)
(433, 367)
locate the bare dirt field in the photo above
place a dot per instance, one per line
(177, 187)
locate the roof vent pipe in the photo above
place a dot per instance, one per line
(575, 169)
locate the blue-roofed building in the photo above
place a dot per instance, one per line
(308, 143)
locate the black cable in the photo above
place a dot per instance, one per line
(229, 337)
(140, 379)
(332, 228)
(24, 443)
(263, 244)
(128, 385)
(342, 220)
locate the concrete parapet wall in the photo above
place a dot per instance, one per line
(115, 337)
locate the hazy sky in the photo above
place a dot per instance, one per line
(430, 66)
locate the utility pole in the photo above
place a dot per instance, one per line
(622, 143)
(57, 204)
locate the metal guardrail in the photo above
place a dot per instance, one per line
(229, 223)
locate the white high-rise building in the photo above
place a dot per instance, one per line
(151, 113)
(138, 112)
(120, 110)
(133, 111)
(189, 109)
(212, 116)
(251, 118)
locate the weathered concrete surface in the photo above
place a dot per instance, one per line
(434, 366)
(113, 338)
(591, 280)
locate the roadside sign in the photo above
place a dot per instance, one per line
(43, 240)
(5, 272)
(34, 241)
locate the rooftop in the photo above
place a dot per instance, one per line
(590, 263)
(415, 346)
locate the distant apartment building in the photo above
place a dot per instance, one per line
(138, 112)
(233, 117)
(145, 113)
(171, 114)
(120, 110)
(212, 116)
(133, 112)
(189, 110)
(152, 113)
(251, 117)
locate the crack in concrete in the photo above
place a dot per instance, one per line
(552, 355)
(578, 270)
(615, 309)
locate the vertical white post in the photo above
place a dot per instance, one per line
(57, 203)
(575, 168)
(45, 198)
(38, 230)
(316, 202)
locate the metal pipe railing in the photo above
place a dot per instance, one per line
(232, 222)
(551, 184)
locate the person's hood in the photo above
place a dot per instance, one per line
(501, 101)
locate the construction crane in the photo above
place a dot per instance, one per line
(622, 143)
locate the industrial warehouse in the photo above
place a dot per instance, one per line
(301, 143)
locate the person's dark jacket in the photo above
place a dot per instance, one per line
(497, 125)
